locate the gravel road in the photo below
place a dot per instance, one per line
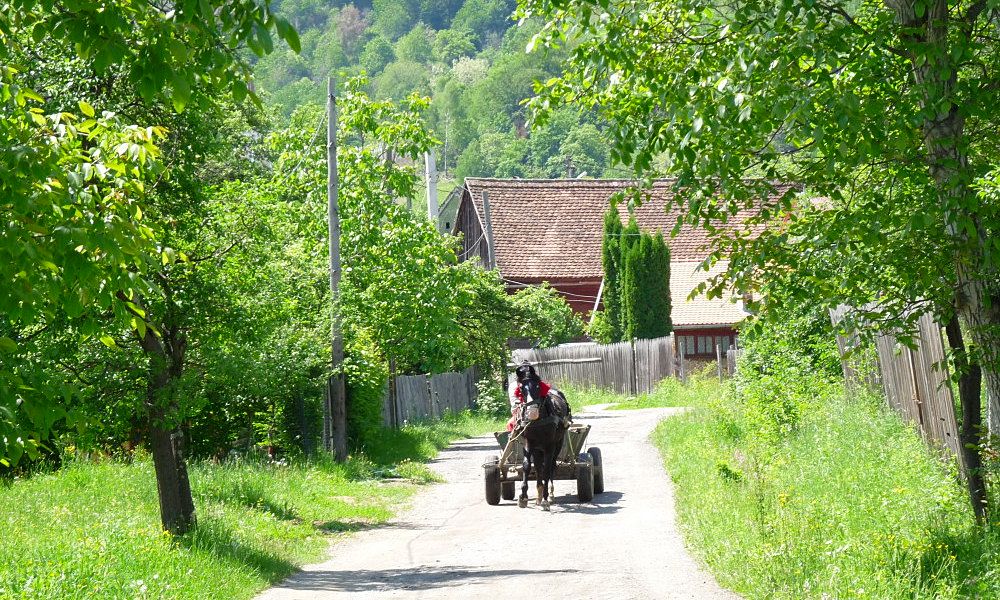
(452, 545)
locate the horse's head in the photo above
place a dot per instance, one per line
(534, 403)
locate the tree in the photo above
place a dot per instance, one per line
(452, 44)
(653, 315)
(377, 54)
(545, 317)
(351, 26)
(611, 259)
(75, 191)
(630, 286)
(400, 79)
(483, 17)
(415, 46)
(884, 108)
(393, 18)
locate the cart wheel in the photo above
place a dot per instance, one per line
(507, 489)
(585, 478)
(492, 485)
(492, 478)
(595, 453)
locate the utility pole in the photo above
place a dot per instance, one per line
(432, 187)
(336, 405)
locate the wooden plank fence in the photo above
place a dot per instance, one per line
(732, 355)
(410, 398)
(915, 381)
(625, 367)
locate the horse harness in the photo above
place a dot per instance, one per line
(527, 421)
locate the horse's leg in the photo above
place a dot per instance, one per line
(522, 501)
(541, 487)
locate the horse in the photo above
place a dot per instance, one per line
(543, 422)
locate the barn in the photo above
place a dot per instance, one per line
(550, 230)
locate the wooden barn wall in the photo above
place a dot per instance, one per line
(474, 246)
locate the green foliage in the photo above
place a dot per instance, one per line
(452, 44)
(484, 18)
(377, 54)
(83, 239)
(853, 503)
(636, 293)
(629, 291)
(491, 398)
(653, 316)
(599, 329)
(545, 316)
(400, 79)
(415, 46)
(885, 120)
(611, 259)
(393, 18)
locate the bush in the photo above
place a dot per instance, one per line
(492, 399)
(546, 317)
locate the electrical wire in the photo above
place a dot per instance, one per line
(312, 142)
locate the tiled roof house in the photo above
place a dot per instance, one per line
(550, 230)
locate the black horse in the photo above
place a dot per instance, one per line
(543, 421)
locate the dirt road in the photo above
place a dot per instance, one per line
(452, 545)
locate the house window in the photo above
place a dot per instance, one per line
(686, 344)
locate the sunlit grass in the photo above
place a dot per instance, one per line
(853, 504)
(91, 530)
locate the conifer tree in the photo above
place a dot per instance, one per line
(629, 286)
(611, 258)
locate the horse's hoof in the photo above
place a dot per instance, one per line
(545, 505)
(522, 502)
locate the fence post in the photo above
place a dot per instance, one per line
(393, 396)
(680, 356)
(718, 359)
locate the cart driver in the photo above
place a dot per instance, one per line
(524, 373)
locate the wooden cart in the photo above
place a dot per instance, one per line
(503, 472)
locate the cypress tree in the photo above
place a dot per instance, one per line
(630, 286)
(611, 258)
(656, 320)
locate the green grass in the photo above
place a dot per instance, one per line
(850, 504)
(581, 398)
(668, 393)
(91, 530)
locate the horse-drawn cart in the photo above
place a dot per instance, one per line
(505, 471)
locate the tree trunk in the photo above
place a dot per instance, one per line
(176, 503)
(166, 364)
(927, 39)
(166, 437)
(970, 435)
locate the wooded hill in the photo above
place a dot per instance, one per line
(467, 55)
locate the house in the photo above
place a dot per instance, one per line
(551, 230)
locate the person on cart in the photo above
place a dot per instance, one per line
(525, 372)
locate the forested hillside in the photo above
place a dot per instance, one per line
(467, 55)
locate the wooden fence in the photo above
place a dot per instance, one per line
(409, 398)
(626, 367)
(732, 355)
(915, 381)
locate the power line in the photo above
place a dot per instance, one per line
(312, 142)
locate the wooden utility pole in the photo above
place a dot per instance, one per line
(336, 395)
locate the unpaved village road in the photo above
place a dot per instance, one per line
(452, 545)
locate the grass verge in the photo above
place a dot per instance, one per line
(850, 503)
(91, 530)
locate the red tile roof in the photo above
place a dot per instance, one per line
(551, 229)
